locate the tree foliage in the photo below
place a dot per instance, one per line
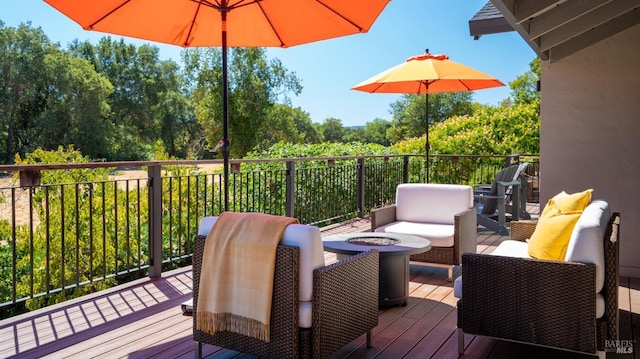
(409, 112)
(71, 255)
(332, 130)
(376, 131)
(489, 131)
(148, 102)
(287, 124)
(524, 89)
(111, 100)
(354, 134)
(23, 86)
(325, 149)
(255, 84)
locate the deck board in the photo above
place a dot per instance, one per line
(143, 320)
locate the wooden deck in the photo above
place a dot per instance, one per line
(143, 320)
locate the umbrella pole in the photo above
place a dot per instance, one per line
(426, 145)
(225, 111)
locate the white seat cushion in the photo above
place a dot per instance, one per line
(511, 248)
(432, 203)
(440, 235)
(308, 239)
(586, 244)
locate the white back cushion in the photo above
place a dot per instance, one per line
(305, 237)
(586, 244)
(432, 203)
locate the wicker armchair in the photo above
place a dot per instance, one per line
(442, 213)
(345, 306)
(542, 302)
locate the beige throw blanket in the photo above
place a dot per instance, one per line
(238, 265)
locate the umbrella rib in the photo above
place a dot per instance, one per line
(379, 85)
(270, 23)
(340, 15)
(195, 16)
(465, 86)
(246, 3)
(218, 6)
(426, 84)
(207, 3)
(109, 13)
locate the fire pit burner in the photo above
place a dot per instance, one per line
(373, 241)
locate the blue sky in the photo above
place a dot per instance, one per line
(328, 69)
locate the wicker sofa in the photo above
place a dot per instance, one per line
(570, 305)
(316, 309)
(442, 213)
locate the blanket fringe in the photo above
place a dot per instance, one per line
(212, 323)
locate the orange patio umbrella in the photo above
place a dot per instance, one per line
(225, 23)
(425, 74)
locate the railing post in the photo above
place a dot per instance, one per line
(360, 190)
(290, 188)
(510, 160)
(155, 221)
(405, 169)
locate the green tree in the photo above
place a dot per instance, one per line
(489, 131)
(22, 84)
(524, 89)
(305, 127)
(180, 132)
(49, 97)
(376, 131)
(76, 107)
(255, 85)
(286, 124)
(148, 102)
(409, 112)
(353, 134)
(332, 130)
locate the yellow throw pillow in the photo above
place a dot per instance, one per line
(551, 236)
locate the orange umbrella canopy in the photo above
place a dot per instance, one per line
(249, 23)
(426, 74)
(225, 23)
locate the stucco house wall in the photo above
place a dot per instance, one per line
(590, 131)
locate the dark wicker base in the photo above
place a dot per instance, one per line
(438, 255)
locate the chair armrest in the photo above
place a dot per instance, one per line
(345, 301)
(481, 190)
(382, 216)
(466, 228)
(549, 303)
(522, 230)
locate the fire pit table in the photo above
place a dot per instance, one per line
(395, 250)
